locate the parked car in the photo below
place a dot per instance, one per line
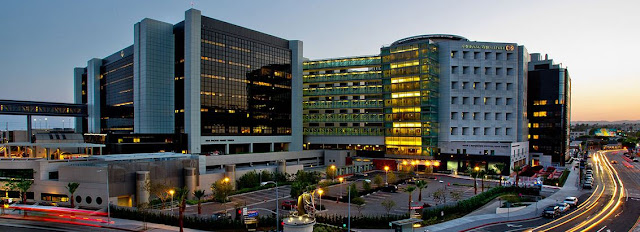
(221, 216)
(551, 211)
(289, 204)
(587, 185)
(573, 201)
(390, 188)
(635, 159)
(564, 207)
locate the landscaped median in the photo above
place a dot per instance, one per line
(461, 208)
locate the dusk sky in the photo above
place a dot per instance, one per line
(42, 41)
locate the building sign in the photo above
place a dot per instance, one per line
(489, 47)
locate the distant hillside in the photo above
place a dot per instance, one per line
(606, 122)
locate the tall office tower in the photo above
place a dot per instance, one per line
(201, 85)
(410, 79)
(549, 109)
(343, 104)
(483, 102)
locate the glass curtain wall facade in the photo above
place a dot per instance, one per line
(549, 109)
(245, 84)
(117, 88)
(410, 80)
(343, 97)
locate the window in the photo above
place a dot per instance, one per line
(465, 100)
(454, 54)
(98, 200)
(509, 101)
(465, 131)
(78, 199)
(488, 55)
(53, 175)
(454, 131)
(486, 116)
(509, 86)
(476, 100)
(486, 85)
(498, 131)
(465, 115)
(454, 85)
(476, 70)
(454, 70)
(465, 55)
(540, 114)
(499, 71)
(465, 69)
(509, 116)
(499, 101)
(487, 70)
(88, 200)
(499, 56)
(476, 85)
(465, 85)
(486, 130)
(510, 71)
(454, 115)
(476, 55)
(476, 131)
(498, 86)
(536, 136)
(54, 197)
(498, 116)
(486, 100)
(510, 56)
(454, 100)
(476, 115)
(539, 102)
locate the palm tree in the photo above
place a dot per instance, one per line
(421, 184)
(499, 167)
(199, 194)
(410, 190)
(181, 194)
(482, 173)
(517, 169)
(72, 187)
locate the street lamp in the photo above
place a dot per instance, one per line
(46, 123)
(320, 191)
(108, 199)
(333, 176)
(386, 171)
(172, 192)
(340, 179)
(277, 205)
(475, 184)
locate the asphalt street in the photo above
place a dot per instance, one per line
(14, 225)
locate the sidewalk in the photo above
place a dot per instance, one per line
(569, 189)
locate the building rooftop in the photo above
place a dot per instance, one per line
(435, 37)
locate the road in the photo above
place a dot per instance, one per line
(605, 209)
(14, 225)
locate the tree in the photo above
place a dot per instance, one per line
(21, 185)
(366, 186)
(455, 195)
(199, 194)
(378, 181)
(517, 169)
(421, 184)
(221, 190)
(359, 202)
(410, 190)
(391, 178)
(353, 190)
(266, 175)
(331, 172)
(249, 180)
(160, 191)
(181, 195)
(499, 168)
(438, 196)
(388, 205)
(72, 187)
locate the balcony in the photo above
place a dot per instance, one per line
(342, 104)
(353, 76)
(343, 90)
(348, 62)
(343, 117)
(361, 131)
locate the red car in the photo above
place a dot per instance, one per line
(289, 204)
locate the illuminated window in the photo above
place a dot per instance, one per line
(540, 114)
(136, 140)
(536, 136)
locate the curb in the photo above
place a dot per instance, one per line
(494, 223)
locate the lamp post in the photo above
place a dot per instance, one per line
(320, 191)
(340, 179)
(333, 168)
(108, 199)
(46, 123)
(475, 184)
(349, 210)
(172, 192)
(386, 172)
(277, 205)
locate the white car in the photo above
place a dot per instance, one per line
(564, 207)
(573, 201)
